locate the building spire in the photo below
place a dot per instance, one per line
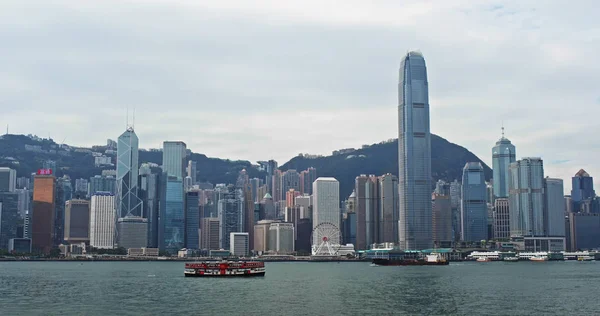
(502, 129)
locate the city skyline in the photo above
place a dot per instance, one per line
(496, 38)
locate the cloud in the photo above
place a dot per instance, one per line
(270, 79)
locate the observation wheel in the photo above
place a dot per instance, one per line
(325, 240)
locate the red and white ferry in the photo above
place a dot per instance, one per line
(224, 268)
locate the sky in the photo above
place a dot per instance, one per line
(265, 79)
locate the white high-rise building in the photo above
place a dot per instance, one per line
(281, 238)
(174, 154)
(326, 203)
(102, 220)
(239, 244)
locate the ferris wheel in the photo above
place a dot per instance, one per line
(325, 240)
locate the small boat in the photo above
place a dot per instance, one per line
(483, 259)
(585, 258)
(539, 258)
(510, 259)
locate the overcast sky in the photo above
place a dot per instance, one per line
(270, 79)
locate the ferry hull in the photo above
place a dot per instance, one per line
(385, 262)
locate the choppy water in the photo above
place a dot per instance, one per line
(159, 288)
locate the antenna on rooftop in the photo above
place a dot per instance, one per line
(133, 123)
(502, 129)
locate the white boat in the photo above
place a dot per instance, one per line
(510, 259)
(483, 259)
(539, 258)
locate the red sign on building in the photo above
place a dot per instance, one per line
(44, 172)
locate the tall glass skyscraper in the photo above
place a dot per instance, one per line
(414, 154)
(473, 210)
(174, 156)
(582, 189)
(128, 203)
(171, 230)
(526, 197)
(503, 154)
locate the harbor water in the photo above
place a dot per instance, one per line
(302, 288)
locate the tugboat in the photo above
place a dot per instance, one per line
(224, 268)
(434, 259)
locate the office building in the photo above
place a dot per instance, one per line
(363, 190)
(584, 231)
(248, 213)
(349, 227)
(231, 216)
(326, 204)
(414, 153)
(8, 179)
(239, 244)
(77, 221)
(149, 192)
(24, 200)
(554, 208)
(455, 196)
(174, 158)
(102, 220)
(501, 219)
(268, 207)
(389, 209)
(442, 220)
(281, 238)
(128, 202)
(255, 184)
(100, 183)
(474, 215)
(261, 236)
(171, 230)
(526, 197)
(81, 187)
(42, 230)
(289, 180)
(64, 193)
(582, 190)
(308, 176)
(192, 171)
(19, 245)
(132, 232)
(503, 154)
(192, 220)
(10, 219)
(276, 185)
(209, 233)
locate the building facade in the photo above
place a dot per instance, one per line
(128, 202)
(171, 231)
(42, 228)
(174, 158)
(474, 214)
(239, 244)
(526, 197)
(8, 179)
(501, 219)
(326, 204)
(389, 209)
(414, 154)
(77, 221)
(281, 238)
(192, 220)
(554, 208)
(10, 219)
(441, 220)
(582, 190)
(132, 232)
(231, 216)
(209, 239)
(102, 220)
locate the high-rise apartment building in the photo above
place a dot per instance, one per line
(8, 179)
(102, 220)
(526, 197)
(503, 154)
(42, 230)
(473, 213)
(554, 208)
(77, 221)
(326, 204)
(414, 154)
(174, 158)
(128, 202)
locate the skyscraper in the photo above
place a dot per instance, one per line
(8, 179)
(174, 156)
(10, 218)
(554, 210)
(289, 180)
(326, 203)
(526, 197)
(388, 205)
(171, 228)
(128, 203)
(102, 184)
(192, 171)
(42, 230)
(310, 175)
(77, 221)
(192, 220)
(102, 220)
(132, 232)
(582, 189)
(414, 154)
(149, 193)
(231, 215)
(210, 233)
(503, 154)
(441, 220)
(276, 185)
(361, 211)
(473, 204)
